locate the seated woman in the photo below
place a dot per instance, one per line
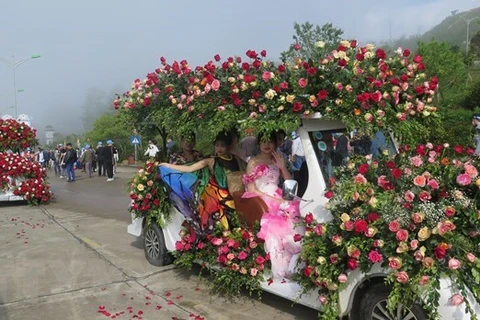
(215, 203)
(277, 225)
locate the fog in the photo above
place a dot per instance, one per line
(93, 47)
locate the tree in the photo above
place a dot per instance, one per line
(450, 68)
(113, 127)
(96, 103)
(308, 38)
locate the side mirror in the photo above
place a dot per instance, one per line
(289, 190)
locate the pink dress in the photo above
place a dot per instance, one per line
(277, 226)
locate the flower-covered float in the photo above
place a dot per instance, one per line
(20, 177)
(393, 236)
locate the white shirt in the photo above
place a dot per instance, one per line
(297, 147)
(152, 151)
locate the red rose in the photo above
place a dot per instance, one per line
(307, 271)
(352, 264)
(311, 71)
(245, 66)
(439, 253)
(256, 64)
(251, 54)
(380, 54)
(297, 237)
(390, 164)
(281, 68)
(458, 149)
(406, 53)
(217, 57)
(297, 106)
(361, 226)
(308, 218)
(417, 59)
(259, 260)
(470, 151)
(296, 47)
(421, 150)
(353, 44)
(359, 57)
(322, 94)
(263, 53)
(372, 217)
(374, 256)
(342, 62)
(238, 59)
(396, 173)
(329, 194)
(363, 168)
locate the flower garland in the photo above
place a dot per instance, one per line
(416, 215)
(149, 197)
(16, 136)
(238, 256)
(25, 177)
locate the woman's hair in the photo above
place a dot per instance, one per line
(188, 136)
(264, 136)
(225, 137)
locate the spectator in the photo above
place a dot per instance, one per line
(249, 144)
(152, 150)
(170, 146)
(476, 136)
(87, 160)
(100, 159)
(298, 154)
(42, 157)
(188, 154)
(69, 162)
(108, 153)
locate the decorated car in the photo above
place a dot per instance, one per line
(383, 231)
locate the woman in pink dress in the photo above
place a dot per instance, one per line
(277, 226)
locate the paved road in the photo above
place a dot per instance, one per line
(73, 259)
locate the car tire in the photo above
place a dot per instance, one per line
(156, 252)
(374, 306)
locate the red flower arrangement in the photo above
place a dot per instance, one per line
(16, 136)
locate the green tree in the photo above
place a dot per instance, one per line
(450, 68)
(113, 127)
(306, 41)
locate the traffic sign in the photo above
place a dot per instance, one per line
(135, 140)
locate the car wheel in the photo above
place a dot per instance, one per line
(374, 307)
(156, 252)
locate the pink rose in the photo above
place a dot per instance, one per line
(342, 278)
(424, 280)
(471, 257)
(445, 226)
(215, 85)
(374, 256)
(179, 246)
(230, 256)
(419, 181)
(394, 263)
(417, 217)
(402, 235)
(471, 171)
(378, 243)
(402, 277)
(302, 82)
(414, 244)
(419, 255)
(450, 211)
(266, 76)
(424, 196)
(464, 179)
(217, 241)
(454, 264)
(253, 272)
(416, 161)
(394, 226)
(349, 225)
(242, 255)
(323, 299)
(433, 184)
(456, 299)
(409, 196)
(360, 179)
(260, 260)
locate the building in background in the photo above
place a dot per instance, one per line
(49, 133)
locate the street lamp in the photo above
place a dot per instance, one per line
(468, 21)
(14, 65)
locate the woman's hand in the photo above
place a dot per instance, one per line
(279, 160)
(164, 164)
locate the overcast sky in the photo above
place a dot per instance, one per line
(106, 44)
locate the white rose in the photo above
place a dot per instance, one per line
(320, 44)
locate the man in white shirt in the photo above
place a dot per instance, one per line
(298, 154)
(152, 150)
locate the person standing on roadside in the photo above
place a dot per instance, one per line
(100, 159)
(108, 155)
(69, 162)
(87, 160)
(152, 150)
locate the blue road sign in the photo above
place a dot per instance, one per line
(135, 140)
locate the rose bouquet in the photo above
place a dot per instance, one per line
(148, 196)
(25, 177)
(237, 256)
(416, 215)
(15, 136)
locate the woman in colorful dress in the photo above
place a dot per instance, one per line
(277, 226)
(215, 202)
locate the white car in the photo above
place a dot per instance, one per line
(366, 295)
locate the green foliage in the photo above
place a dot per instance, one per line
(449, 66)
(456, 126)
(113, 127)
(306, 38)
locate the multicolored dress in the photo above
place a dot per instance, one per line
(277, 226)
(216, 202)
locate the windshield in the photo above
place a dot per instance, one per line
(334, 147)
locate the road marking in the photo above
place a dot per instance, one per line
(91, 243)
